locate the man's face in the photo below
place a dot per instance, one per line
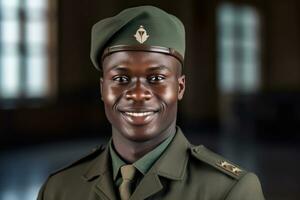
(140, 91)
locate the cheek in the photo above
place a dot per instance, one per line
(110, 93)
(169, 93)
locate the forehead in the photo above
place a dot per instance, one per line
(140, 60)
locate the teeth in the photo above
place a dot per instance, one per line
(138, 114)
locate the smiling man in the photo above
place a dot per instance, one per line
(140, 91)
(140, 53)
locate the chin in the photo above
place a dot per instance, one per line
(140, 134)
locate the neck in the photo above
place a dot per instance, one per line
(131, 151)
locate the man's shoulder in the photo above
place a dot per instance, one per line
(80, 165)
(223, 175)
(69, 179)
(217, 163)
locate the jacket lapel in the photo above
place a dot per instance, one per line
(100, 170)
(149, 185)
(105, 187)
(171, 165)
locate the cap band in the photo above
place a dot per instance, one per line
(146, 48)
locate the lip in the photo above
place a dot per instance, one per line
(138, 117)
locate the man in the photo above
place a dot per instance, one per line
(140, 54)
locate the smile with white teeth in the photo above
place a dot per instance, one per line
(139, 114)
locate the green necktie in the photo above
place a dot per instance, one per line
(125, 189)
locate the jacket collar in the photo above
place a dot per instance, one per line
(172, 163)
(99, 167)
(104, 186)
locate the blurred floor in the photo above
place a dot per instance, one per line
(23, 170)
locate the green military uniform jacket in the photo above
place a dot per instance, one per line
(183, 171)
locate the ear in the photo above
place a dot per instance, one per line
(181, 86)
(101, 87)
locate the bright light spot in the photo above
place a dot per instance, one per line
(36, 32)
(10, 13)
(36, 76)
(226, 77)
(35, 40)
(238, 48)
(10, 76)
(10, 31)
(225, 14)
(31, 192)
(251, 79)
(9, 3)
(36, 4)
(9, 195)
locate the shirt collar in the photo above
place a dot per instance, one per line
(144, 163)
(117, 162)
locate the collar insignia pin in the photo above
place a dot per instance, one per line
(229, 167)
(141, 35)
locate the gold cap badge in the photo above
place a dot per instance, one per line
(141, 35)
(229, 167)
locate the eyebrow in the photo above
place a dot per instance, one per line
(150, 69)
(119, 68)
(157, 68)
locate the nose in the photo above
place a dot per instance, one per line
(138, 92)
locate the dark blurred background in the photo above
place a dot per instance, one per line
(242, 100)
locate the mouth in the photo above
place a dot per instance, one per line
(139, 114)
(139, 117)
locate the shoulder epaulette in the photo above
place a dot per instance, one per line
(94, 152)
(217, 161)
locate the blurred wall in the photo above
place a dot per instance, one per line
(78, 111)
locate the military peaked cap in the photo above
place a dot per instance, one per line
(143, 28)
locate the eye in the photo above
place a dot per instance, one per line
(121, 79)
(156, 78)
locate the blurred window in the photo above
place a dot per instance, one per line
(238, 48)
(25, 50)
